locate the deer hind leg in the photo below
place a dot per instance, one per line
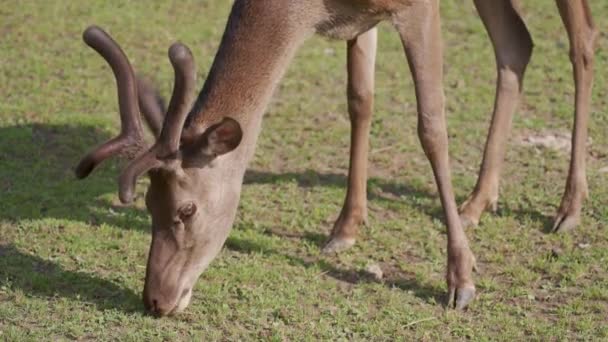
(420, 32)
(513, 49)
(582, 33)
(360, 91)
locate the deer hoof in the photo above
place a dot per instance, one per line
(338, 244)
(565, 222)
(468, 222)
(472, 209)
(460, 298)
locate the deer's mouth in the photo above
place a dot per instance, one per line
(183, 301)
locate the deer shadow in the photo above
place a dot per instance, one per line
(37, 178)
(37, 277)
(544, 222)
(380, 190)
(350, 277)
(37, 182)
(383, 190)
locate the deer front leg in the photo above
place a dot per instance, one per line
(360, 92)
(420, 33)
(513, 49)
(583, 35)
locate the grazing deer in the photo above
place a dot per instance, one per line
(197, 164)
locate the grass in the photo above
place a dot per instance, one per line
(72, 260)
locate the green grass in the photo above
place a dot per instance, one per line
(72, 260)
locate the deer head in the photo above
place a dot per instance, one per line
(190, 199)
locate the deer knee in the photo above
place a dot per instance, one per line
(432, 133)
(360, 102)
(582, 50)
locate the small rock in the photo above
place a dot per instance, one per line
(552, 141)
(458, 84)
(604, 169)
(584, 245)
(556, 252)
(329, 52)
(375, 271)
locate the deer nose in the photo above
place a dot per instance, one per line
(157, 307)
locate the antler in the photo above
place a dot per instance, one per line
(166, 148)
(130, 140)
(151, 104)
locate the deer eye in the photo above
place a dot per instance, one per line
(186, 211)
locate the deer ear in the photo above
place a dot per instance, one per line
(223, 137)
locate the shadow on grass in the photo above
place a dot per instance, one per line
(526, 215)
(403, 281)
(543, 222)
(382, 190)
(37, 182)
(41, 278)
(37, 179)
(379, 189)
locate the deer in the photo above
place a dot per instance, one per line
(202, 146)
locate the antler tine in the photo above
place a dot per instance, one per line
(181, 99)
(167, 145)
(128, 177)
(130, 139)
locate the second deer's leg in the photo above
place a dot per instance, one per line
(420, 32)
(361, 65)
(513, 49)
(583, 35)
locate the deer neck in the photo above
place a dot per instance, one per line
(259, 42)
